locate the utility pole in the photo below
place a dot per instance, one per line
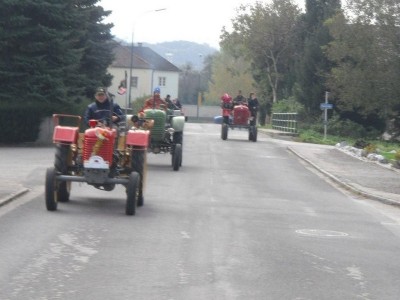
(132, 54)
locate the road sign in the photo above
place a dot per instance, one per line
(326, 106)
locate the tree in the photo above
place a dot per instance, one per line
(312, 65)
(189, 82)
(50, 52)
(229, 74)
(36, 51)
(366, 53)
(264, 34)
(97, 43)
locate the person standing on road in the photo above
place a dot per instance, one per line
(100, 109)
(253, 105)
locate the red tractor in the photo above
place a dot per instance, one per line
(236, 116)
(102, 157)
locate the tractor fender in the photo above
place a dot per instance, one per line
(177, 123)
(65, 134)
(138, 138)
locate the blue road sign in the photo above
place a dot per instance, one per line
(326, 106)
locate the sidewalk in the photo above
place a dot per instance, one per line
(369, 179)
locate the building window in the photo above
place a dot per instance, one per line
(162, 81)
(134, 82)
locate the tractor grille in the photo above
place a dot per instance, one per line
(105, 149)
(241, 115)
(159, 117)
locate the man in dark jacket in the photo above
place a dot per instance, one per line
(253, 106)
(100, 109)
(239, 99)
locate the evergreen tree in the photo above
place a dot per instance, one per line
(97, 44)
(313, 66)
(52, 54)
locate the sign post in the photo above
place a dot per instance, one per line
(325, 106)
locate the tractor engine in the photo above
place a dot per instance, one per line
(241, 115)
(99, 141)
(159, 117)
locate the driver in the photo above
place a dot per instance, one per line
(155, 101)
(101, 107)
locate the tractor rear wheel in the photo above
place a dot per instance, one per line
(250, 134)
(61, 158)
(51, 189)
(63, 191)
(255, 132)
(139, 166)
(132, 190)
(61, 166)
(178, 138)
(177, 157)
(224, 131)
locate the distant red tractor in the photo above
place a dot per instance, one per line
(236, 116)
(102, 156)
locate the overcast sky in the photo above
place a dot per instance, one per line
(188, 20)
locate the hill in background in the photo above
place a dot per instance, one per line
(181, 53)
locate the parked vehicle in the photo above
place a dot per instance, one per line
(101, 156)
(166, 132)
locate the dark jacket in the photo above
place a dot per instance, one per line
(239, 99)
(253, 105)
(101, 111)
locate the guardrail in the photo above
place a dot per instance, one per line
(286, 122)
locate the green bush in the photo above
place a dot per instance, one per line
(337, 126)
(289, 105)
(314, 137)
(20, 123)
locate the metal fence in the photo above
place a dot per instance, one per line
(286, 122)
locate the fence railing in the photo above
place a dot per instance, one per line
(286, 122)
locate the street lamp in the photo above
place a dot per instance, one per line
(132, 46)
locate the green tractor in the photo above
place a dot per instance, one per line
(166, 132)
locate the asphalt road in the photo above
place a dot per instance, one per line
(239, 220)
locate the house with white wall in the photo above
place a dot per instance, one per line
(146, 69)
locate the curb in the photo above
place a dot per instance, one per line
(345, 185)
(13, 196)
